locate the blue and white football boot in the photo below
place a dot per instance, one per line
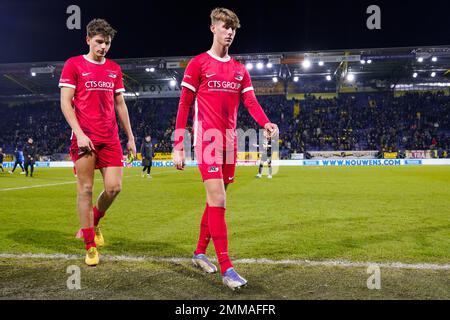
(233, 280)
(202, 261)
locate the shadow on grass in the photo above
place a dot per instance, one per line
(203, 286)
(66, 243)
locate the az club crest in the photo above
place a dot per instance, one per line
(213, 169)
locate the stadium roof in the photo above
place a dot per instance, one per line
(152, 76)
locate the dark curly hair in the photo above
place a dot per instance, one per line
(100, 26)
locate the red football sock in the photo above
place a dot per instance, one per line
(218, 230)
(205, 236)
(89, 235)
(97, 215)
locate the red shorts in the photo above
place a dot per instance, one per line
(108, 154)
(218, 165)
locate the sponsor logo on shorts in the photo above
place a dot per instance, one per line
(213, 169)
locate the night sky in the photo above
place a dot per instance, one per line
(32, 31)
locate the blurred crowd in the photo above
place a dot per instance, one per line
(379, 121)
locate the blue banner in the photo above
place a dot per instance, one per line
(413, 162)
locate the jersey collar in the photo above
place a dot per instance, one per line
(93, 61)
(226, 59)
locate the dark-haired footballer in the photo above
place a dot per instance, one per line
(91, 96)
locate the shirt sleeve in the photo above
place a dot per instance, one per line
(250, 101)
(69, 77)
(254, 108)
(246, 82)
(192, 76)
(118, 84)
(186, 99)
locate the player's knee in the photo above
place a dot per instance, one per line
(85, 189)
(113, 190)
(218, 199)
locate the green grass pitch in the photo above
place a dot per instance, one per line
(359, 214)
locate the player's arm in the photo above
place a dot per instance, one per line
(186, 99)
(84, 143)
(253, 106)
(142, 150)
(124, 118)
(190, 85)
(68, 84)
(33, 153)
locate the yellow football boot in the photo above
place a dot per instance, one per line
(92, 258)
(99, 240)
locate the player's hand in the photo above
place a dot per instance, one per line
(84, 143)
(131, 147)
(178, 159)
(272, 129)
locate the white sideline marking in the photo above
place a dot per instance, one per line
(308, 263)
(69, 182)
(39, 186)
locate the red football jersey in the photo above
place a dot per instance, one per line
(95, 85)
(218, 84)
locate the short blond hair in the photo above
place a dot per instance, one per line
(225, 15)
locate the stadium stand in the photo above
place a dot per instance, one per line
(382, 122)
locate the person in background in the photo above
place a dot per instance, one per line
(147, 155)
(266, 156)
(18, 162)
(2, 155)
(29, 153)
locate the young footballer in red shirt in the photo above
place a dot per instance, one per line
(215, 83)
(91, 95)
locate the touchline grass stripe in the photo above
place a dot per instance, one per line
(262, 261)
